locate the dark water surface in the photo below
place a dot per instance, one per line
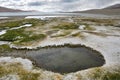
(18, 14)
(67, 59)
(63, 59)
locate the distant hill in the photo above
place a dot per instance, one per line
(116, 6)
(110, 10)
(3, 9)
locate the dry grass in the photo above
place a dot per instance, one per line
(62, 34)
(66, 26)
(78, 34)
(17, 68)
(98, 34)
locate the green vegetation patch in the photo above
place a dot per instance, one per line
(20, 35)
(66, 26)
(33, 38)
(34, 22)
(13, 35)
(10, 24)
(17, 23)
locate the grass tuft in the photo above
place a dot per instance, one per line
(102, 74)
(66, 26)
(17, 68)
(5, 48)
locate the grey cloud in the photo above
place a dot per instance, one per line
(69, 1)
(36, 3)
(58, 5)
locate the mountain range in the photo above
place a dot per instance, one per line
(110, 10)
(3, 9)
(116, 6)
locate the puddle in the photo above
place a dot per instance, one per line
(26, 25)
(66, 59)
(4, 42)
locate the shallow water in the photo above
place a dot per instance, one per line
(66, 59)
(4, 31)
(39, 14)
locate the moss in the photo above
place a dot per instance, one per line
(34, 22)
(21, 35)
(13, 35)
(33, 38)
(66, 26)
(11, 24)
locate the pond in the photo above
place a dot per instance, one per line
(66, 59)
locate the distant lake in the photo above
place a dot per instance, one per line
(17, 14)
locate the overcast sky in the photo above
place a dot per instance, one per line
(56, 5)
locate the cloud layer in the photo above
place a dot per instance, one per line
(56, 5)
